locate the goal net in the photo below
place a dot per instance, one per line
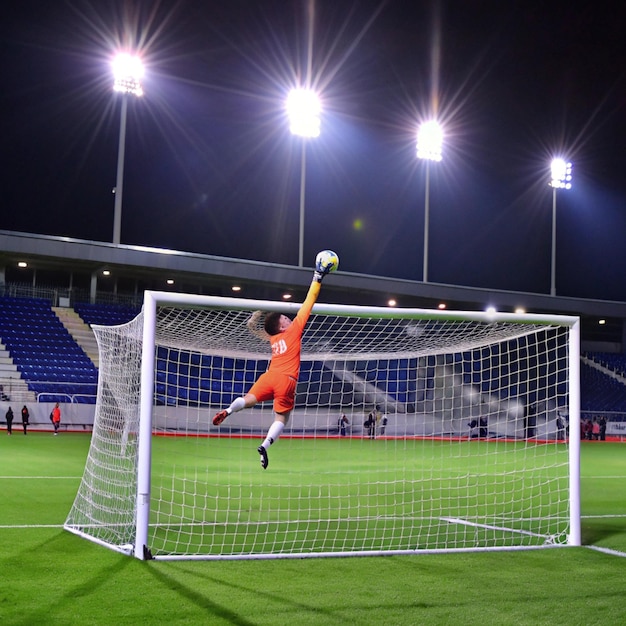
(456, 434)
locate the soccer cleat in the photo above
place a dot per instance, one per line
(219, 418)
(264, 460)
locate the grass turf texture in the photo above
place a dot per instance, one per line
(53, 577)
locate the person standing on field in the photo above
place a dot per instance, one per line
(370, 424)
(25, 418)
(342, 423)
(560, 426)
(9, 418)
(56, 418)
(595, 429)
(279, 382)
(384, 420)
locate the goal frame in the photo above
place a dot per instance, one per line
(154, 299)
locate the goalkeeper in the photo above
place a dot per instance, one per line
(280, 379)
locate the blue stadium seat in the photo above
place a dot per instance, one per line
(44, 351)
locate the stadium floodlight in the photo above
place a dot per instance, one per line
(191, 496)
(561, 172)
(429, 148)
(303, 109)
(561, 178)
(127, 73)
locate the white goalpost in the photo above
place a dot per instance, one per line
(450, 441)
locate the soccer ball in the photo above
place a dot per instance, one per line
(325, 258)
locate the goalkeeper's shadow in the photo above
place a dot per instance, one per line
(101, 577)
(218, 584)
(200, 600)
(596, 531)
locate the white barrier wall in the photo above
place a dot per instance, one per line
(81, 416)
(71, 414)
(616, 429)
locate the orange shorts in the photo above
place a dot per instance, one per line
(279, 387)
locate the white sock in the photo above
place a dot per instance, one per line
(237, 405)
(273, 434)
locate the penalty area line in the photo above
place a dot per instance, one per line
(27, 526)
(40, 477)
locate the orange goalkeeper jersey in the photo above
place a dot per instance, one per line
(286, 346)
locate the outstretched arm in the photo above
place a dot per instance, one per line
(255, 325)
(314, 290)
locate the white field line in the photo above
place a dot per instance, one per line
(608, 551)
(453, 520)
(40, 477)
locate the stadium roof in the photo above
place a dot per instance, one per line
(151, 267)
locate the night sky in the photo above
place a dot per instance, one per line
(212, 168)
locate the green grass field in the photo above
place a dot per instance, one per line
(53, 577)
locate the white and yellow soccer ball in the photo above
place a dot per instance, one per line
(326, 258)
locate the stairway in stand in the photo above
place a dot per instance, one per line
(12, 387)
(81, 332)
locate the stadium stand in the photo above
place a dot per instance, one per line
(37, 349)
(603, 382)
(48, 359)
(105, 314)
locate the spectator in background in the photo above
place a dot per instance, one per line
(370, 424)
(560, 426)
(342, 423)
(595, 429)
(56, 418)
(25, 418)
(588, 430)
(9, 418)
(602, 422)
(483, 422)
(383, 423)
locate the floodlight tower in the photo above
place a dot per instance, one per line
(429, 148)
(303, 109)
(561, 178)
(127, 73)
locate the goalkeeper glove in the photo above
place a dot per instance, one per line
(321, 270)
